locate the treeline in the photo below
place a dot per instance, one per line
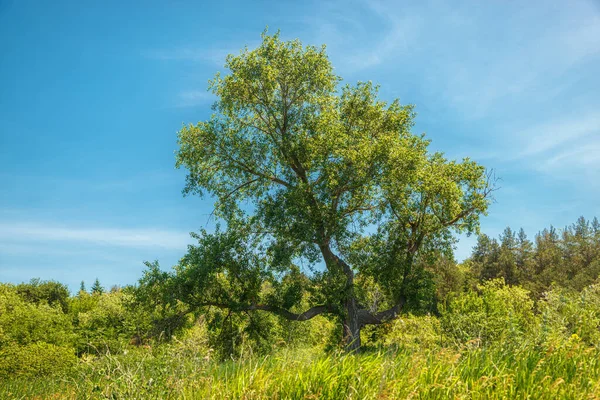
(567, 258)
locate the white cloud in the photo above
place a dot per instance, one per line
(479, 60)
(211, 56)
(346, 29)
(587, 156)
(567, 148)
(575, 163)
(557, 134)
(488, 75)
(191, 98)
(401, 31)
(19, 232)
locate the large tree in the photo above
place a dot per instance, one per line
(323, 191)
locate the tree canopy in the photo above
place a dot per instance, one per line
(323, 191)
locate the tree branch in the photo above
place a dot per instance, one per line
(367, 318)
(305, 316)
(243, 185)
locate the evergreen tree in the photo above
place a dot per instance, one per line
(596, 227)
(568, 258)
(524, 259)
(97, 288)
(485, 258)
(548, 259)
(507, 263)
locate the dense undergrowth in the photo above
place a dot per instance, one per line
(567, 370)
(493, 343)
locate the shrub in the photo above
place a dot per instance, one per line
(497, 313)
(101, 322)
(36, 359)
(566, 313)
(49, 292)
(23, 323)
(413, 333)
(193, 344)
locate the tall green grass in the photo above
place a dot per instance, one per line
(568, 370)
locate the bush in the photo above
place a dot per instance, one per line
(566, 313)
(413, 333)
(102, 321)
(497, 313)
(23, 323)
(49, 292)
(36, 359)
(193, 344)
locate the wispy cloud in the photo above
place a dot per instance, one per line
(19, 232)
(558, 134)
(198, 55)
(399, 32)
(192, 98)
(478, 60)
(486, 75)
(566, 147)
(585, 156)
(347, 29)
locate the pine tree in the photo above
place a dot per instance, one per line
(485, 258)
(525, 251)
(549, 259)
(596, 226)
(97, 288)
(507, 263)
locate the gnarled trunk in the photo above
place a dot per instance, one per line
(351, 326)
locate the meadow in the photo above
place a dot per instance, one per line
(495, 343)
(568, 371)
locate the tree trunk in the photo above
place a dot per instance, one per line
(352, 326)
(351, 323)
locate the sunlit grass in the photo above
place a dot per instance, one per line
(566, 371)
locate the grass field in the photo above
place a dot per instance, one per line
(569, 371)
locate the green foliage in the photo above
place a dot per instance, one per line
(23, 322)
(36, 359)
(569, 371)
(193, 344)
(569, 258)
(48, 292)
(408, 333)
(448, 277)
(155, 308)
(566, 313)
(36, 338)
(498, 313)
(97, 288)
(100, 321)
(486, 344)
(300, 168)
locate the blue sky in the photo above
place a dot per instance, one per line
(91, 98)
